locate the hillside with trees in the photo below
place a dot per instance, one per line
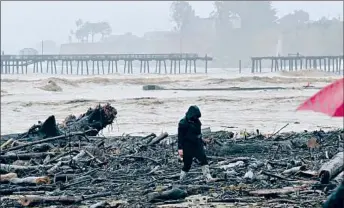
(233, 31)
(245, 29)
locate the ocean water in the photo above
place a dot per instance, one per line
(26, 99)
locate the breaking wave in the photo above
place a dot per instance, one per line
(63, 81)
(283, 77)
(271, 80)
(4, 93)
(150, 101)
(51, 86)
(307, 73)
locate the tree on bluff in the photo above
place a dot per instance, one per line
(298, 18)
(102, 28)
(86, 29)
(237, 25)
(253, 15)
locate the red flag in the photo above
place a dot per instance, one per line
(328, 100)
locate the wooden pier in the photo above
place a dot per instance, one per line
(298, 62)
(102, 63)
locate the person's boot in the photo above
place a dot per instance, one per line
(206, 173)
(182, 175)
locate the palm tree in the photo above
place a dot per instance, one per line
(79, 23)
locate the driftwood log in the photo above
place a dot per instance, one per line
(54, 168)
(13, 179)
(7, 177)
(30, 180)
(7, 143)
(26, 156)
(294, 170)
(31, 200)
(173, 194)
(272, 192)
(158, 139)
(339, 178)
(8, 191)
(331, 168)
(99, 204)
(241, 199)
(15, 168)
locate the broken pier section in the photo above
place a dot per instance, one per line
(294, 63)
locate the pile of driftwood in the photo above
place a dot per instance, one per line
(78, 168)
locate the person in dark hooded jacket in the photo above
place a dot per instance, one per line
(336, 199)
(190, 143)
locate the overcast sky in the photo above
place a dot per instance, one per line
(24, 24)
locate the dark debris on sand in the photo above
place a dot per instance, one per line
(79, 169)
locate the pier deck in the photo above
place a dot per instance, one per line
(98, 63)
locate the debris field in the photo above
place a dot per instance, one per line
(70, 165)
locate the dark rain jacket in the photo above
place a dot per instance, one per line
(189, 128)
(336, 199)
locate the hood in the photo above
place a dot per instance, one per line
(193, 111)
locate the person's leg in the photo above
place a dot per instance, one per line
(200, 155)
(187, 160)
(202, 158)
